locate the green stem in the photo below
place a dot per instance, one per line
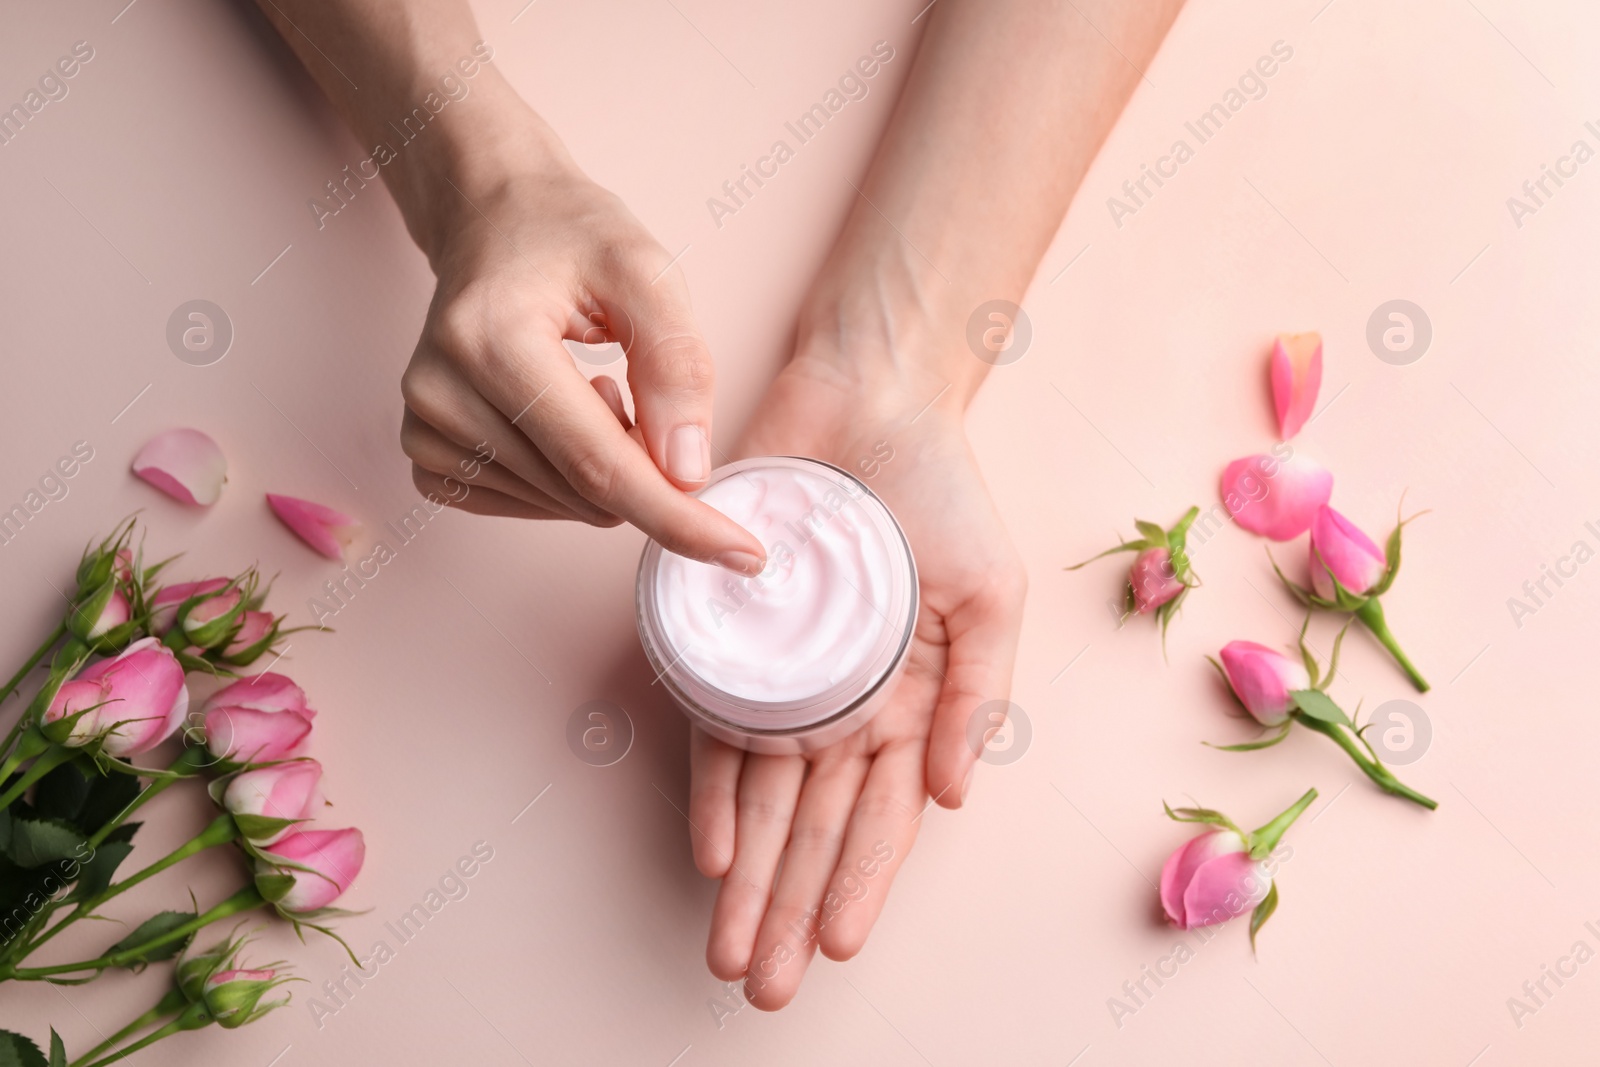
(220, 832)
(1371, 767)
(17, 679)
(49, 761)
(244, 900)
(174, 1001)
(193, 1018)
(1267, 837)
(186, 765)
(1371, 613)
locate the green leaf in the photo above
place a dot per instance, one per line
(58, 1050)
(109, 794)
(1263, 912)
(5, 831)
(18, 1051)
(98, 872)
(1391, 553)
(1318, 705)
(36, 842)
(61, 793)
(162, 922)
(1262, 742)
(1153, 534)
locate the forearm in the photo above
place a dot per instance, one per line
(1005, 107)
(415, 77)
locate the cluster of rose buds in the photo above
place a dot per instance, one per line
(1280, 496)
(120, 669)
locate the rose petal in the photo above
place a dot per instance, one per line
(321, 527)
(1275, 498)
(185, 464)
(1226, 887)
(1179, 870)
(1296, 377)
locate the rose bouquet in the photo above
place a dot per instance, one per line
(116, 687)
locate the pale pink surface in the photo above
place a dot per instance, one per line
(1339, 546)
(1296, 372)
(1392, 160)
(185, 464)
(318, 525)
(1153, 580)
(1275, 498)
(1262, 678)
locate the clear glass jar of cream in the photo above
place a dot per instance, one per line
(806, 652)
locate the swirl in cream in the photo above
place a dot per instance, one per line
(809, 624)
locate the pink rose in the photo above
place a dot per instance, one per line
(260, 719)
(322, 863)
(164, 605)
(1339, 547)
(234, 998)
(1262, 679)
(141, 698)
(1212, 879)
(282, 791)
(1153, 579)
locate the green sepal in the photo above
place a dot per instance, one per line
(1154, 536)
(1391, 553)
(259, 827)
(1318, 705)
(58, 1050)
(1201, 815)
(274, 887)
(1259, 743)
(1263, 912)
(1125, 546)
(1263, 839)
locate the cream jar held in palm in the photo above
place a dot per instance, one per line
(806, 652)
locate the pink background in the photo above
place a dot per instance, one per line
(1376, 167)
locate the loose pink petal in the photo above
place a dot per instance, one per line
(1275, 498)
(185, 464)
(1296, 377)
(322, 528)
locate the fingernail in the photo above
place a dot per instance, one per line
(966, 786)
(688, 454)
(741, 562)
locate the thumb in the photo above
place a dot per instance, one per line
(671, 374)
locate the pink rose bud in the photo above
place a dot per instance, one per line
(100, 614)
(1275, 498)
(209, 621)
(164, 605)
(321, 863)
(1339, 547)
(1262, 679)
(141, 695)
(322, 528)
(235, 998)
(1153, 579)
(286, 791)
(257, 720)
(1296, 377)
(256, 633)
(185, 464)
(1212, 879)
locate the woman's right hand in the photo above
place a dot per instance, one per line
(529, 252)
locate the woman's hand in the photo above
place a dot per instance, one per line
(843, 819)
(536, 253)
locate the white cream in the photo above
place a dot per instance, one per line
(814, 619)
